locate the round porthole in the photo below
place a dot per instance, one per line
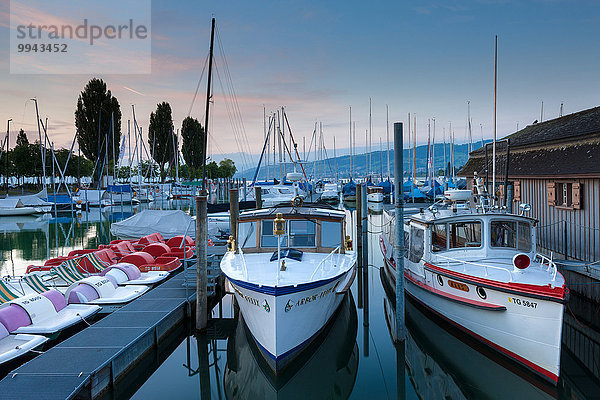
(481, 292)
(440, 280)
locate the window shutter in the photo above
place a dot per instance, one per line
(551, 194)
(577, 195)
(517, 191)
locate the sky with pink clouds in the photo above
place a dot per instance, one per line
(318, 58)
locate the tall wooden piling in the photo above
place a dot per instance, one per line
(258, 197)
(399, 233)
(359, 244)
(234, 211)
(201, 260)
(364, 214)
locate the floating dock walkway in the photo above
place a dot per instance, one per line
(93, 360)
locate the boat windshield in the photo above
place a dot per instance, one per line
(247, 234)
(465, 234)
(298, 233)
(511, 234)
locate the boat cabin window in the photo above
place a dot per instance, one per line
(264, 191)
(267, 238)
(465, 234)
(524, 237)
(331, 234)
(511, 234)
(299, 233)
(417, 244)
(247, 234)
(439, 237)
(302, 233)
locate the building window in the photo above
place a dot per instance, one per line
(564, 194)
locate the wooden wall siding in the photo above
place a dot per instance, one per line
(581, 227)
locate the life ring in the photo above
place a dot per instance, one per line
(297, 201)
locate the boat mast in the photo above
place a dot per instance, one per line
(469, 125)
(208, 96)
(415, 150)
(387, 129)
(370, 136)
(433, 172)
(351, 152)
(409, 149)
(494, 144)
(42, 152)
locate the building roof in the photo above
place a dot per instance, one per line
(568, 145)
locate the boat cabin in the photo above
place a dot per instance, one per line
(308, 229)
(450, 234)
(374, 189)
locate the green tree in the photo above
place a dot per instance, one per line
(212, 170)
(23, 158)
(160, 134)
(227, 168)
(96, 106)
(192, 134)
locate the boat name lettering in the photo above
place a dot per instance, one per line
(101, 283)
(31, 299)
(309, 299)
(458, 285)
(249, 299)
(524, 303)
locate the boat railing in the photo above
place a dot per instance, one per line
(244, 266)
(485, 266)
(336, 250)
(547, 261)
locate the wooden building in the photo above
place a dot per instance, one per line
(555, 167)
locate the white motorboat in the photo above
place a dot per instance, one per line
(289, 272)
(374, 194)
(331, 193)
(477, 267)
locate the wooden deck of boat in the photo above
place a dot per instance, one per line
(89, 362)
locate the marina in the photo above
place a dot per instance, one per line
(253, 241)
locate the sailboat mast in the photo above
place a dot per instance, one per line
(433, 172)
(370, 135)
(208, 96)
(494, 144)
(469, 125)
(387, 129)
(415, 148)
(351, 151)
(409, 148)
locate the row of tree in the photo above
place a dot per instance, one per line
(98, 120)
(25, 160)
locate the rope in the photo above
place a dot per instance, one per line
(579, 323)
(379, 361)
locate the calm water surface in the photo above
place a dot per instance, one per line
(353, 358)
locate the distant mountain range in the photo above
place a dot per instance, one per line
(329, 166)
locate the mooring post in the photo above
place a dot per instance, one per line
(258, 197)
(399, 233)
(201, 260)
(234, 211)
(359, 244)
(364, 213)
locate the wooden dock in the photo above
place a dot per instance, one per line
(95, 359)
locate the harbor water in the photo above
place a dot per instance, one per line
(354, 357)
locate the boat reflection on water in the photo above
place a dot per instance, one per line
(325, 369)
(444, 363)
